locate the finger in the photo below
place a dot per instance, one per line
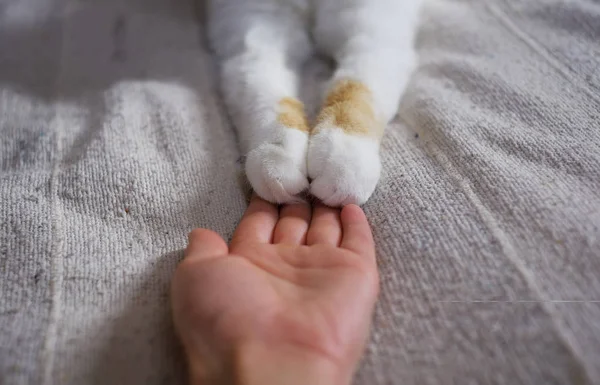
(325, 226)
(205, 244)
(258, 222)
(293, 224)
(357, 234)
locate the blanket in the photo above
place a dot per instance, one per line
(114, 144)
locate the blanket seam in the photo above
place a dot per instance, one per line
(507, 249)
(566, 73)
(549, 58)
(56, 239)
(56, 280)
(463, 182)
(540, 50)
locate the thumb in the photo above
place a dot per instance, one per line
(205, 244)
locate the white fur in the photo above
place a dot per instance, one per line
(277, 171)
(344, 168)
(261, 45)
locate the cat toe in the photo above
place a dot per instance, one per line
(344, 168)
(275, 175)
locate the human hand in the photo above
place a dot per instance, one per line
(288, 302)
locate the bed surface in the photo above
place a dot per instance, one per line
(114, 144)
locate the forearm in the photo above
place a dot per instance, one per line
(256, 364)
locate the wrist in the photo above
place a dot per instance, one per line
(260, 364)
(257, 363)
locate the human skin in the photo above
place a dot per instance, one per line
(288, 301)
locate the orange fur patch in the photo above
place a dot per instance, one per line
(292, 114)
(349, 106)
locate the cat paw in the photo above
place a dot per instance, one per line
(344, 168)
(277, 171)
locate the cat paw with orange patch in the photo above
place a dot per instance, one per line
(262, 47)
(276, 168)
(343, 153)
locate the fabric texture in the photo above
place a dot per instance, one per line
(114, 144)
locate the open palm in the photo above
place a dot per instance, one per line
(295, 277)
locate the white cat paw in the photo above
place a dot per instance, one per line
(344, 168)
(277, 171)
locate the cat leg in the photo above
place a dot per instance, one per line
(261, 45)
(372, 43)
